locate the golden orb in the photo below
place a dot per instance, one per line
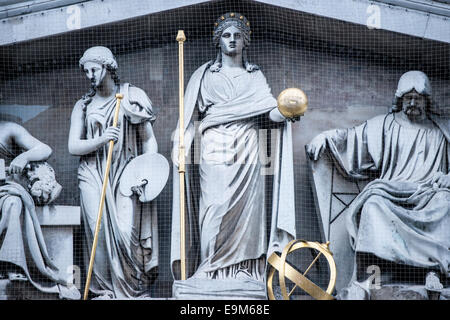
(292, 102)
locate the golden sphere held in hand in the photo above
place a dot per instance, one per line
(292, 102)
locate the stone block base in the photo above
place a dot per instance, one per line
(399, 292)
(57, 223)
(218, 289)
(392, 292)
(22, 290)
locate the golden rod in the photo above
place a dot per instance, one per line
(312, 263)
(181, 154)
(119, 97)
(307, 270)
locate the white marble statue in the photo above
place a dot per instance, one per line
(127, 252)
(401, 217)
(228, 195)
(28, 182)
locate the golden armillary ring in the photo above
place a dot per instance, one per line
(285, 270)
(292, 102)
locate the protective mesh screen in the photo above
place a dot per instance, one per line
(349, 74)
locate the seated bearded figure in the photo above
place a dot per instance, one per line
(400, 221)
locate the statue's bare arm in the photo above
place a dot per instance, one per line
(149, 143)
(35, 150)
(78, 144)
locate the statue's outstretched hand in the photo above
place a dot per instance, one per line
(315, 148)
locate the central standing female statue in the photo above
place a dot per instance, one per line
(230, 194)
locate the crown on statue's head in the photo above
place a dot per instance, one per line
(233, 18)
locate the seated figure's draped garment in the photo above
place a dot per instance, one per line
(400, 216)
(228, 198)
(21, 239)
(127, 251)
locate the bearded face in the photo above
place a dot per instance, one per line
(414, 105)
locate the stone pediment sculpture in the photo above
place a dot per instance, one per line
(398, 223)
(333, 194)
(26, 180)
(126, 258)
(225, 188)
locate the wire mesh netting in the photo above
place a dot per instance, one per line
(380, 188)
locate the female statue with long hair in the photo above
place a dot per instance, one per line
(127, 253)
(229, 196)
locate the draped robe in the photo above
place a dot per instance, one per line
(400, 216)
(227, 199)
(21, 240)
(127, 252)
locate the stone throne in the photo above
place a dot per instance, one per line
(333, 193)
